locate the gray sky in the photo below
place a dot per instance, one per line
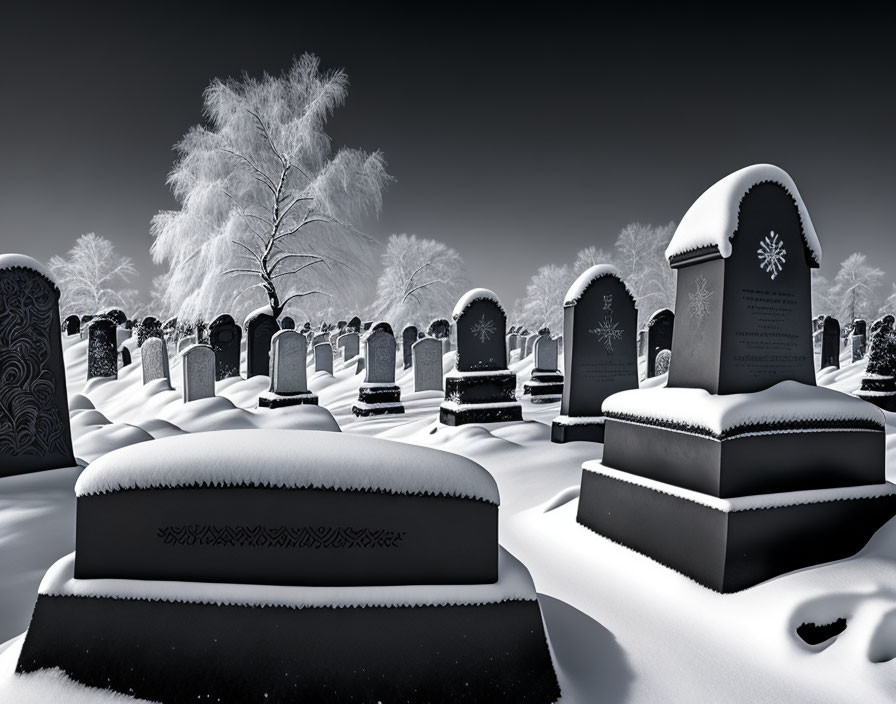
(517, 141)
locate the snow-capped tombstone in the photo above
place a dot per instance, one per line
(72, 325)
(34, 418)
(260, 328)
(287, 323)
(743, 253)
(198, 362)
(125, 355)
(224, 337)
(154, 357)
(427, 364)
(879, 381)
(365, 326)
(102, 352)
(350, 345)
(599, 354)
(289, 384)
(481, 389)
(320, 338)
(323, 357)
(546, 382)
(830, 343)
(660, 327)
(379, 394)
(408, 338)
(185, 342)
(858, 339)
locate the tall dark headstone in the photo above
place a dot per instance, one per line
(34, 422)
(116, 316)
(481, 389)
(439, 328)
(287, 323)
(355, 324)
(260, 328)
(600, 324)
(102, 350)
(72, 325)
(660, 327)
(224, 338)
(830, 343)
(858, 338)
(125, 355)
(408, 338)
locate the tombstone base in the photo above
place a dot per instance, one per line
(455, 414)
(377, 400)
(269, 399)
(578, 429)
(544, 388)
(730, 545)
(469, 388)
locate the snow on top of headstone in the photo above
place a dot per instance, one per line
(8, 261)
(652, 319)
(514, 584)
(475, 294)
(288, 459)
(587, 277)
(264, 310)
(785, 403)
(712, 219)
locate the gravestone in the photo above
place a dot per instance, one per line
(154, 354)
(125, 355)
(663, 360)
(72, 325)
(879, 381)
(34, 420)
(224, 338)
(481, 389)
(830, 343)
(287, 323)
(323, 357)
(379, 394)
(599, 352)
(439, 328)
(408, 338)
(366, 325)
(320, 339)
(116, 316)
(102, 351)
(198, 362)
(350, 345)
(660, 326)
(545, 385)
(149, 327)
(289, 385)
(858, 337)
(186, 342)
(427, 364)
(260, 328)
(355, 324)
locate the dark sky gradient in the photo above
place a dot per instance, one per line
(516, 139)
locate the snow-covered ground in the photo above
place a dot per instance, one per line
(623, 628)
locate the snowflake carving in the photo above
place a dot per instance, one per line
(700, 300)
(771, 254)
(608, 331)
(484, 329)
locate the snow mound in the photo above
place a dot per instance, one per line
(785, 403)
(514, 584)
(587, 277)
(289, 459)
(476, 294)
(712, 219)
(23, 261)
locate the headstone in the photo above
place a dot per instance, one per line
(439, 328)
(350, 345)
(366, 325)
(224, 338)
(323, 357)
(289, 385)
(830, 344)
(355, 324)
(660, 326)
(481, 389)
(427, 363)
(149, 327)
(379, 394)
(858, 337)
(599, 355)
(154, 355)
(546, 383)
(287, 323)
(125, 355)
(260, 328)
(879, 380)
(102, 352)
(198, 362)
(663, 360)
(408, 338)
(320, 339)
(34, 420)
(186, 342)
(72, 325)
(116, 316)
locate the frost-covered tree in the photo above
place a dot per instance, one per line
(589, 257)
(854, 288)
(421, 279)
(543, 304)
(269, 212)
(91, 277)
(641, 260)
(888, 307)
(822, 300)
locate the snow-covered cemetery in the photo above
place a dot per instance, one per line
(312, 464)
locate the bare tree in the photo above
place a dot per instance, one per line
(589, 257)
(640, 257)
(889, 305)
(854, 288)
(543, 304)
(90, 279)
(266, 206)
(822, 301)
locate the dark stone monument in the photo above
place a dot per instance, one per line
(287, 323)
(481, 389)
(34, 424)
(102, 350)
(879, 381)
(660, 326)
(149, 327)
(858, 338)
(116, 316)
(224, 337)
(260, 328)
(72, 325)
(379, 394)
(439, 328)
(599, 355)
(408, 338)
(546, 382)
(741, 469)
(830, 343)
(125, 355)
(355, 324)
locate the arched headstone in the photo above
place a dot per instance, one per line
(260, 328)
(224, 338)
(102, 349)
(379, 394)
(289, 383)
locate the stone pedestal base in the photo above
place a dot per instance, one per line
(583, 429)
(544, 387)
(375, 400)
(271, 400)
(480, 397)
